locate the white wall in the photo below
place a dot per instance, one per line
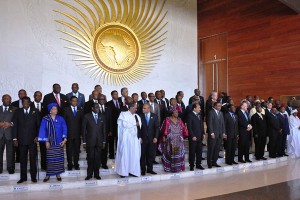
(33, 57)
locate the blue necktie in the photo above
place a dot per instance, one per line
(74, 112)
(232, 115)
(5, 109)
(96, 119)
(246, 116)
(147, 119)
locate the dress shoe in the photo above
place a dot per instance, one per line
(132, 175)
(98, 177)
(1, 171)
(216, 165)
(58, 178)
(235, 163)
(70, 168)
(154, 162)
(77, 168)
(87, 178)
(151, 172)
(11, 171)
(111, 157)
(104, 167)
(228, 163)
(200, 167)
(191, 168)
(34, 180)
(249, 161)
(21, 181)
(272, 156)
(209, 166)
(285, 155)
(263, 158)
(46, 179)
(143, 173)
(257, 158)
(122, 176)
(242, 161)
(220, 157)
(202, 158)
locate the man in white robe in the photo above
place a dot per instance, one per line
(129, 145)
(294, 137)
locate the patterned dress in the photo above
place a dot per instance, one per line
(173, 148)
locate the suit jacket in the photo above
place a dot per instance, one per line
(81, 99)
(88, 106)
(273, 125)
(107, 114)
(41, 113)
(93, 134)
(150, 131)
(167, 102)
(7, 117)
(162, 108)
(26, 127)
(50, 98)
(74, 123)
(284, 124)
(243, 124)
(156, 110)
(259, 125)
(16, 104)
(121, 102)
(115, 112)
(232, 128)
(215, 123)
(195, 126)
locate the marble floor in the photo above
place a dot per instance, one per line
(190, 188)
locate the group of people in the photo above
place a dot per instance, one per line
(134, 131)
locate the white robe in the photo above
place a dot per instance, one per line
(294, 137)
(129, 147)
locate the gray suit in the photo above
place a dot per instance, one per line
(155, 110)
(6, 139)
(215, 124)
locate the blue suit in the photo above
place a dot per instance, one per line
(284, 124)
(81, 99)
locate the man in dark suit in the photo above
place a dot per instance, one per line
(56, 97)
(6, 134)
(284, 123)
(196, 134)
(80, 96)
(98, 88)
(232, 131)
(25, 130)
(197, 93)
(259, 123)
(37, 104)
(121, 99)
(18, 103)
(114, 106)
(245, 128)
(94, 139)
(142, 102)
(73, 116)
(149, 135)
(106, 112)
(213, 97)
(89, 104)
(162, 106)
(275, 134)
(163, 98)
(182, 105)
(289, 107)
(216, 127)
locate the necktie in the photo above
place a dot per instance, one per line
(74, 112)
(96, 119)
(102, 111)
(38, 106)
(158, 102)
(26, 112)
(147, 119)
(232, 115)
(5, 109)
(57, 99)
(116, 104)
(246, 116)
(198, 115)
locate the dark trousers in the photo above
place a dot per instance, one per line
(275, 144)
(10, 160)
(111, 146)
(195, 150)
(104, 153)
(260, 143)
(17, 154)
(230, 147)
(94, 159)
(283, 145)
(24, 150)
(73, 148)
(43, 152)
(147, 155)
(213, 148)
(244, 147)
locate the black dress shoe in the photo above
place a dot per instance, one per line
(21, 181)
(70, 168)
(122, 176)
(263, 158)
(98, 177)
(34, 180)
(202, 158)
(58, 178)
(154, 162)
(104, 167)
(191, 168)
(1, 171)
(235, 163)
(257, 158)
(11, 171)
(143, 173)
(216, 165)
(132, 175)
(77, 168)
(46, 179)
(242, 161)
(209, 166)
(87, 178)
(200, 167)
(111, 157)
(285, 155)
(228, 163)
(249, 161)
(151, 172)
(220, 157)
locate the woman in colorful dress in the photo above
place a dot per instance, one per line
(172, 143)
(53, 131)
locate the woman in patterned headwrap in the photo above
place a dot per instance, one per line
(172, 145)
(53, 131)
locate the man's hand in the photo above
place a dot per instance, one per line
(6, 125)
(2, 125)
(47, 145)
(154, 140)
(212, 136)
(194, 139)
(110, 134)
(224, 136)
(15, 143)
(84, 146)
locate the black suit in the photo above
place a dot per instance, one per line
(244, 136)
(25, 130)
(275, 136)
(201, 102)
(148, 133)
(93, 134)
(196, 129)
(232, 131)
(260, 134)
(50, 98)
(88, 106)
(284, 124)
(16, 104)
(121, 103)
(74, 123)
(115, 112)
(215, 124)
(108, 126)
(163, 109)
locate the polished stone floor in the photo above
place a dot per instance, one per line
(233, 185)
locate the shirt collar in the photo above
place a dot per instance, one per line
(28, 109)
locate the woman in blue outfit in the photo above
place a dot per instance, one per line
(53, 131)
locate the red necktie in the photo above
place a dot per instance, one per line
(57, 99)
